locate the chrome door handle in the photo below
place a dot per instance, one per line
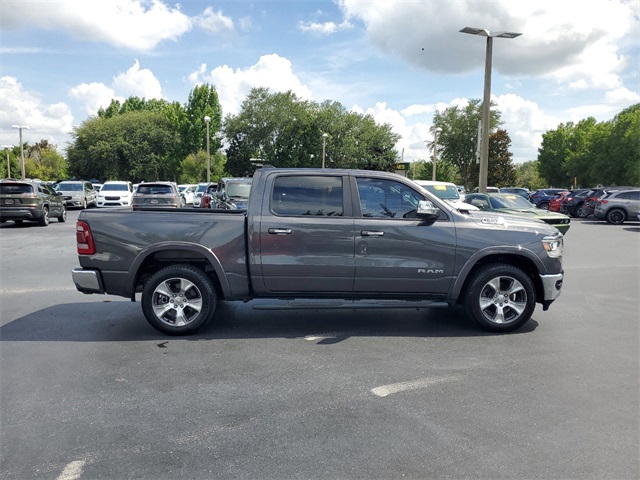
(280, 231)
(371, 233)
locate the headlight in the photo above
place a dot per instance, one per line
(553, 246)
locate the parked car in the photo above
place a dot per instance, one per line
(446, 191)
(523, 192)
(619, 205)
(489, 190)
(540, 198)
(187, 192)
(594, 194)
(512, 204)
(30, 200)
(156, 194)
(77, 193)
(200, 190)
(556, 202)
(462, 191)
(232, 193)
(97, 186)
(208, 199)
(115, 193)
(572, 204)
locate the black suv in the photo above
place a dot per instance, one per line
(573, 203)
(540, 198)
(30, 200)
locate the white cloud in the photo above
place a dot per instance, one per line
(93, 96)
(134, 24)
(215, 22)
(20, 107)
(323, 29)
(272, 71)
(570, 41)
(138, 82)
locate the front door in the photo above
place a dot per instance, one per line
(395, 252)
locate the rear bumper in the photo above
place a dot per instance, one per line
(87, 281)
(20, 214)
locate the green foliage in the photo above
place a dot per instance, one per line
(590, 153)
(458, 141)
(281, 130)
(13, 163)
(527, 176)
(194, 167)
(203, 101)
(501, 171)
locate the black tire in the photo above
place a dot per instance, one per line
(581, 211)
(63, 215)
(544, 205)
(500, 297)
(43, 221)
(616, 216)
(179, 300)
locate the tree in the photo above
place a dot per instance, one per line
(527, 176)
(203, 102)
(501, 172)
(458, 141)
(284, 131)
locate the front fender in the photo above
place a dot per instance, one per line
(493, 251)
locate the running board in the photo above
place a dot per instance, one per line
(332, 304)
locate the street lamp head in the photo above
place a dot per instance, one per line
(483, 32)
(437, 130)
(207, 119)
(20, 126)
(325, 135)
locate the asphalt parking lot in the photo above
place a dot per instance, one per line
(89, 390)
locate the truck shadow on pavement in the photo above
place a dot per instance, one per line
(124, 322)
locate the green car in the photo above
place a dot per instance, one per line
(512, 204)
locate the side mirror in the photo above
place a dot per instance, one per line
(427, 211)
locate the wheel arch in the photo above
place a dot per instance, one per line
(156, 257)
(527, 262)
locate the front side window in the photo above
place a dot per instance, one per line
(307, 195)
(383, 198)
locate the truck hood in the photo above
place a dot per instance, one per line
(511, 222)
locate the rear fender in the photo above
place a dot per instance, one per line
(199, 250)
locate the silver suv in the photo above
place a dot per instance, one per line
(77, 193)
(619, 205)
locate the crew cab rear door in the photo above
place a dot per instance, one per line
(306, 235)
(395, 252)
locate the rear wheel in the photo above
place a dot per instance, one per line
(179, 299)
(63, 214)
(616, 216)
(500, 297)
(543, 205)
(581, 211)
(43, 221)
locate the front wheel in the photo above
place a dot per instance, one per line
(581, 211)
(500, 297)
(179, 299)
(616, 216)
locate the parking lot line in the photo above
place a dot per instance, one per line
(387, 390)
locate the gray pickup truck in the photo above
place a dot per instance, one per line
(320, 238)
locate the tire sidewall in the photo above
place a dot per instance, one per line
(616, 221)
(194, 275)
(476, 284)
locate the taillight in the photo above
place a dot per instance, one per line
(84, 239)
(603, 202)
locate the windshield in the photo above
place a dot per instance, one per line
(445, 192)
(68, 187)
(238, 190)
(115, 187)
(510, 201)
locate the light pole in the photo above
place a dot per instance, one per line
(7, 147)
(324, 147)
(20, 127)
(486, 102)
(436, 131)
(207, 119)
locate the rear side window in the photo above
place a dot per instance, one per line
(15, 188)
(307, 195)
(635, 195)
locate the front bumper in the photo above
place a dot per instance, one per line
(551, 287)
(87, 281)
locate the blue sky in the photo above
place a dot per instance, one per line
(398, 60)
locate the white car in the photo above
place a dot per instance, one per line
(188, 191)
(115, 194)
(448, 192)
